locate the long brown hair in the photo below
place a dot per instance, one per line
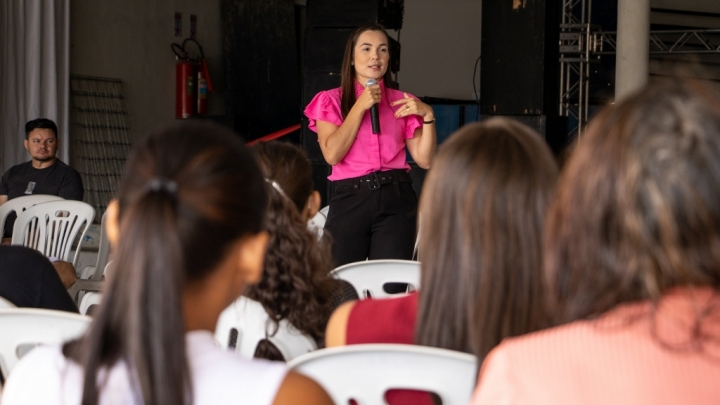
(638, 207)
(481, 218)
(295, 284)
(347, 84)
(188, 193)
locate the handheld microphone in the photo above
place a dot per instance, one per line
(374, 110)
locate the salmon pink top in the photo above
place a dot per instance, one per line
(633, 355)
(370, 152)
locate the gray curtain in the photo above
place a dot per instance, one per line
(34, 73)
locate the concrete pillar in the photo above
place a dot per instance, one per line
(633, 42)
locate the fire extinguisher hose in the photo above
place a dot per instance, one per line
(181, 52)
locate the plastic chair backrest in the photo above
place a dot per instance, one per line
(6, 304)
(365, 372)
(20, 204)
(371, 275)
(52, 227)
(88, 300)
(78, 290)
(25, 328)
(97, 271)
(317, 223)
(252, 323)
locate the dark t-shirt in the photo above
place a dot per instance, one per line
(23, 179)
(58, 179)
(27, 279)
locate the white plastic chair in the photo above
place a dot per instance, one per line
(252, 323)
(82, 286)
(24, 328)
(6, 304)
(366, 372)
(20, 204)
(370, 276)
(88, 301)
(317, 223)
(52, 227)
(97, 271)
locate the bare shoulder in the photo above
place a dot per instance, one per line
(336, 330)
(298, 389)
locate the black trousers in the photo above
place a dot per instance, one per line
(372, 222)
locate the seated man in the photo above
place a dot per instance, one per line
(27, 279)
(44, 173)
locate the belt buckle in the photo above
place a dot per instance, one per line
(373, 181)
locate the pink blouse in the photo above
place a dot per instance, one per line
(370, 152)
(633, 355)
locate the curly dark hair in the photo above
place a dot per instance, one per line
(295, 284)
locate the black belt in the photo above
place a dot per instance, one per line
(376, 179)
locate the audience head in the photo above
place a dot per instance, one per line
(41, 140)
(481, 219)
(291, 169)
(348, 66)
(637, 209)
(295, 283)
(188, 223)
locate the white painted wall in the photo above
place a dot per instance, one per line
(130, 40)
(440, 43)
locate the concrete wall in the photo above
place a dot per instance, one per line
(130, 40)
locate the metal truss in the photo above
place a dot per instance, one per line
(575, 35)
(662, 42)
(582, 43)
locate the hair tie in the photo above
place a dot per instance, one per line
(162, 184)
(277, 187)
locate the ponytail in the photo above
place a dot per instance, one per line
(146, 289)
(172, 232)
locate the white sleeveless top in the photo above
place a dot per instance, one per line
(45, 376)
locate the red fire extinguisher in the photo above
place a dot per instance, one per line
(192, 82)
(184, 88)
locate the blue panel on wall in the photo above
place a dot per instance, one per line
(450, 117)
(447, 120)
(472, 113)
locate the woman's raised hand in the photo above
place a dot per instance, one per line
(370, 96)
(412, 106)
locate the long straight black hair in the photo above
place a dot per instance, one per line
(188, 193)
(483, 207)
(347, 70)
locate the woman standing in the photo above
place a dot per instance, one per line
(373, 208)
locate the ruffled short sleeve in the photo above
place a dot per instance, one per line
(325, 106)
(413, 122)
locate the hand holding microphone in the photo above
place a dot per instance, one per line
(374, 109)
